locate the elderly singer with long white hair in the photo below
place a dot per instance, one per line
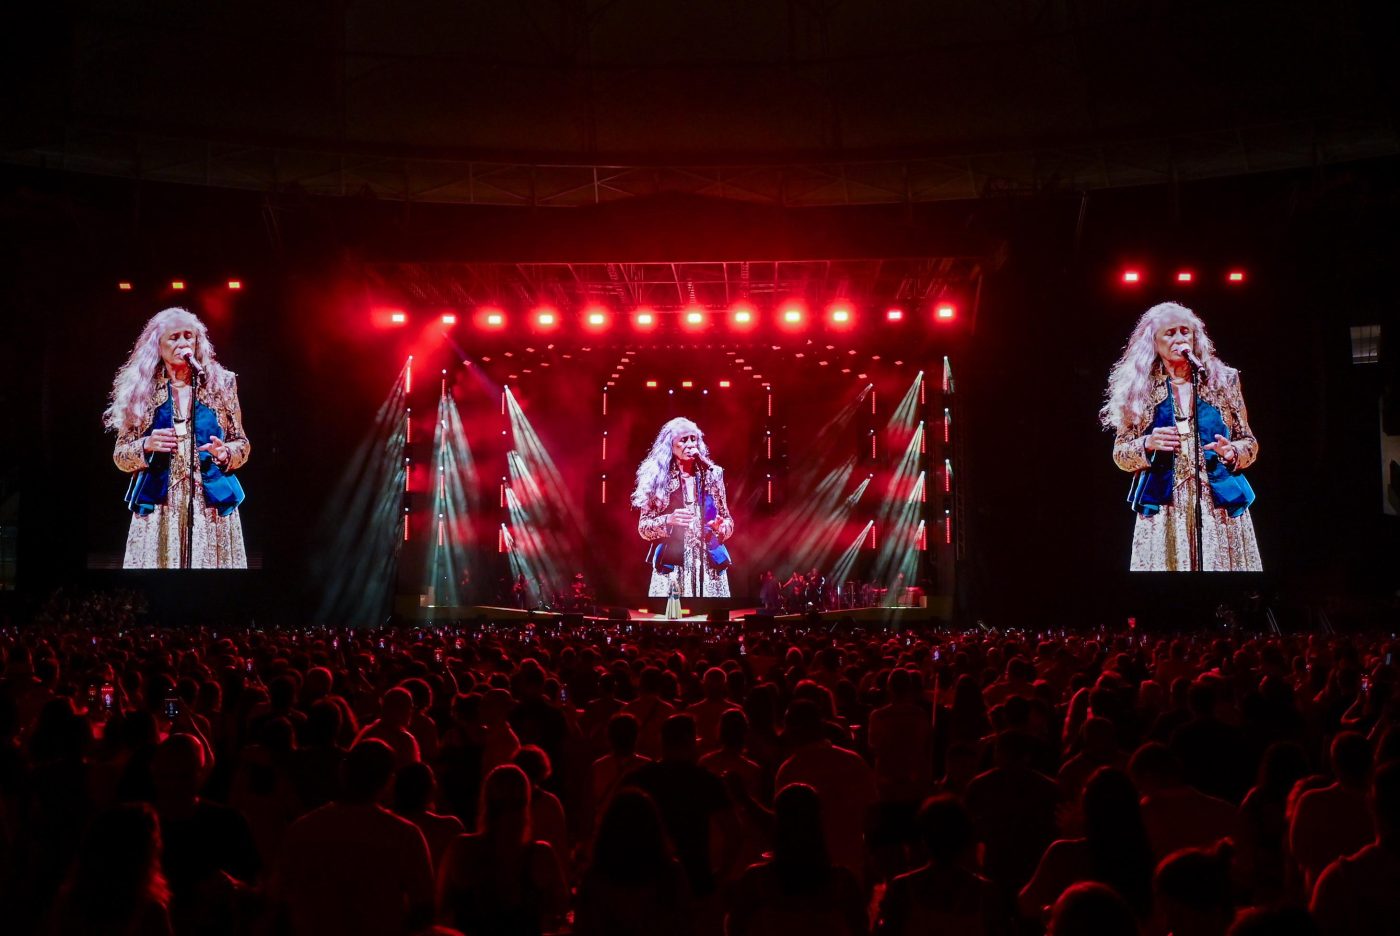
(159, 418)
(684, 525)
(1149, 406)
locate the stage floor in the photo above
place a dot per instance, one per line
(689, 615)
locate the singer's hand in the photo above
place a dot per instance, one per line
(1224, 448)
(216, 447)
(683, 517)
(723, 528)
(1163, 439)
(161, 440)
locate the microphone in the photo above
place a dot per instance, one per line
(703, 459)
(188, 357)
(1185, 351)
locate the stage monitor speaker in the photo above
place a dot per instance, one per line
(718, 616)
(619, 614)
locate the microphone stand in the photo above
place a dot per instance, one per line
(1197, 558)
(187, 540)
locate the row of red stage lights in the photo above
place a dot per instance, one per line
(1134, 276)
(177, 285)
(600, 319)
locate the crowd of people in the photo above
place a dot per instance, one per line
(634, 778)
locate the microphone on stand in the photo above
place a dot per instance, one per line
(1185, 351)
(188, 357)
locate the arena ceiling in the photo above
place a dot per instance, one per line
(559, 103)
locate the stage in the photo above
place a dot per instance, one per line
(749, 616)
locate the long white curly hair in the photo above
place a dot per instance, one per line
(655, 470)
(129, 405)
(1128, 399)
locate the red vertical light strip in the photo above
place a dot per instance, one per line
(442, 532)
(948, 529)
(605, 489)
(923, 440)
(405, 528)
(947, 475)
(923, 488)
(605, 446)
(408, 377)
(923, 537)
(503, 402)
(768, 440)
(501, 539)
(405, 475)
(770, 490)
(872, 536)
(922, 382)
(872, 445)
(872, 401)
(408, 427)
(503, 495)
(770, 403)
(605, 402)
(442, 484)
(947, 424)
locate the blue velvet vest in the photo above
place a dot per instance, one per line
(152, 486)
(1151, 488)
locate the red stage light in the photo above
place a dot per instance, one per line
(235, 284)
(1236, 276)
(840, 314)
(694, 318)
(546, 317)
(596, 318)
(490, 317)
(398, 318)
(792, 315)
(651, 383)
(1185, 276)
(177, 284)
(449, 318)
(742, 316)
(687, 383)
(894, 315)
(724, 383)
(1131, 276)
(945, 312)
(124, 286)
(644, 319)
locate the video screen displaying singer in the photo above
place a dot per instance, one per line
(1181, 429)
(684, 515)
(180, 440)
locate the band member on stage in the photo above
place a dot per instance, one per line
(171, 397)
(684, 518)
(1149, 406)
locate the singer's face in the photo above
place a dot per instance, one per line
(685, 447)
(1171, 336)
(177, 338)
